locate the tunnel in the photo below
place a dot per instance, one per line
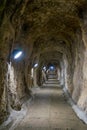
(43, 64)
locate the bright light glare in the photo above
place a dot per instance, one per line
(44, 68)
(51, 67)
(35, 65)
(18, 55)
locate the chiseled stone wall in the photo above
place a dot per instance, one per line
(3, 91)
(78, 67)
(82, 102)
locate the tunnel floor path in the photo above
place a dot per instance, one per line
(49, 110)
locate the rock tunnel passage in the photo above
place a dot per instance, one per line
(38, 39)
(49, 110)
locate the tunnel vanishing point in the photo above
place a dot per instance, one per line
(46, 34)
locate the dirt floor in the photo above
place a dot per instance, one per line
(49, 110)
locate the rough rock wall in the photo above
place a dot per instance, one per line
(13, 89)
(5, 39)
(82, 102)
(78, 67)
(73, 69)
(3, 91)
(76, 70)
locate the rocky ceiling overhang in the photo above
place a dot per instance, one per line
(37, 17)
(46, 24)
(50, 57)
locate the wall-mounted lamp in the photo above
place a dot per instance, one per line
(36, 65)
(18, 54)
(44, 68)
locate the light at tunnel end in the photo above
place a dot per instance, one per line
(52, 67)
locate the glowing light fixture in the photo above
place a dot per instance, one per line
(44, 68)
(18, 54)
(35, 65)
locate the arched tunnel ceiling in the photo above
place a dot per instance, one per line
(50, 57)
(46, 24)
(38, 17)
(49, 20)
